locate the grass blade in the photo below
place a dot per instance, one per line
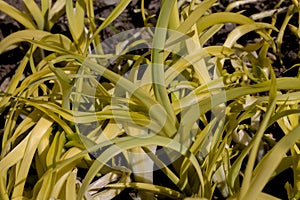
(173, 194)
(243, 29)
(76, 19)
(113, 15)
(22, 18)
(36, 134)
(157, 57)
(131, 142)
(269, 163)
(36, 12)
(17, 37)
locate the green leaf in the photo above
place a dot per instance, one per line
(221, 18)
(36, 12)
(255, 148)
(57, 43)
(190, 21)
(206, 103)
(131, 142)
(22, 18)
(76, 18)
(10, 160)
(113, 15)
(55, 150)
(157, 59)
(17, 37)
(23, 168)
(71, 185)
(238, 32)
(135, 91)
(55, 12)
(173, 194)
(195, 16)
(269, 163)
(65, 83)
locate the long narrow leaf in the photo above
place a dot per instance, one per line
(131, 143)
(20, 36)
(158, 77)
(36, 134)
(24, 19)
(36, 12)
(75, 17)
(269, 163)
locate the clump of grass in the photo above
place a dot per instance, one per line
(88, 123)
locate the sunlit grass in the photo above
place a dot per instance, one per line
(88, 123)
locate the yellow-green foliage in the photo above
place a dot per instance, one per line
(183, 102)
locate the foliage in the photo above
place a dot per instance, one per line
(87, 123)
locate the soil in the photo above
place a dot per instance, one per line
(132, 19)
